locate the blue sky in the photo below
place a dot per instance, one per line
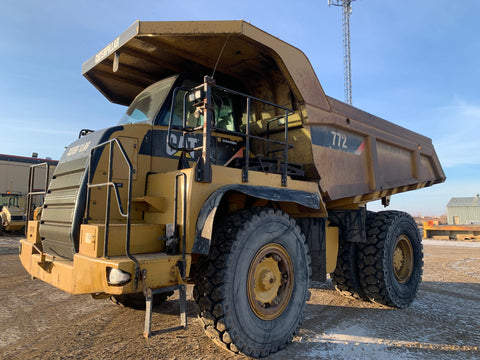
(414, 63)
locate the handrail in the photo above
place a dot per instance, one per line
(184, 217)
(31, 185)
(247, 135)
(208, 106)
(110, 184)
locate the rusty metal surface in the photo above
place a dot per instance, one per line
(361, 157)
(150, 51)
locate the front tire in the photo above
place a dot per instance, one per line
(252, 292)
(391, 261)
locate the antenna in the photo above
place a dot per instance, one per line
(219, 55)
(347, 63)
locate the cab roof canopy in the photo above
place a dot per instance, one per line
(150, 51)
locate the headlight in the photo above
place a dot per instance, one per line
(117, 277)
(195, 95)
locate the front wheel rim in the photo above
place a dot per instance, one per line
(270, 281)
(403, 259)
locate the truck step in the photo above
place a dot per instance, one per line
(149, 307)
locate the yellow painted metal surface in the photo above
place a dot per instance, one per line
(144, 238)
(129, 138)
(270, 281)
(85, 274)
(58, 274)
(15, 226)
(196, 45)
(162, 185)
(150, 203)
(331, 248)
(6, 218)
(446, 232)
(33, 235)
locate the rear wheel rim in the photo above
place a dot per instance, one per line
(403, 259)
(270, 281)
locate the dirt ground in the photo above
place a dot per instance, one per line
(38, 321)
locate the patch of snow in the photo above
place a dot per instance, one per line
(352, 343)
(434, 242)
(468, 266)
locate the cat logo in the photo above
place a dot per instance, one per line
(179, 140)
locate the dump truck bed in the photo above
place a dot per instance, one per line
(355, 157)
(362, 157)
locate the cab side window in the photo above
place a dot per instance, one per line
(223, 110)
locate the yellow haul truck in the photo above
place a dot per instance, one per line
(232, 170)
(12, 212)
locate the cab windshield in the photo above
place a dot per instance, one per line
(223, 109)
(147, 104)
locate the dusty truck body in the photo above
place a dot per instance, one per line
(232, 170)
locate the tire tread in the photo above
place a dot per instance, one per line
(372, 270)
(211, 282)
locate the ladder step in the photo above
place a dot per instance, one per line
(147, 333)
(150, 203)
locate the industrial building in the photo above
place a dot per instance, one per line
(463, 221)
(464, 210)
(14, 173)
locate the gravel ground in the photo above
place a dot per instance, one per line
(39, 321)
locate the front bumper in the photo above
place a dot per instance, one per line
(88, 275)
(15, 226)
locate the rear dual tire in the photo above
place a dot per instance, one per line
(346, 278)
(387, 268)
(390, 263)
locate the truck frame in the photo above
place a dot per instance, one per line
(232, 170)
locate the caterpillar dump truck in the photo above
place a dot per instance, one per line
(12, 212)
(232, 170)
